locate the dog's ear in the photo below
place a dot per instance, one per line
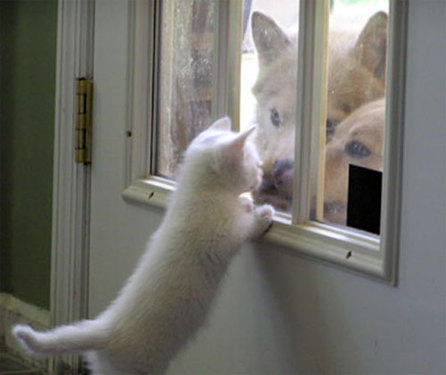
(371, 46)
(269, 39)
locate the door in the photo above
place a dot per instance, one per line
(119, 229)
(279, 313)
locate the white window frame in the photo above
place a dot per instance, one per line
(368, 254)
(71, 181)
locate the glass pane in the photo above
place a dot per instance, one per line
(186, 77)
(268, 92)
(357, 45)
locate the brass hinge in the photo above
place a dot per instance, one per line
(84, 97)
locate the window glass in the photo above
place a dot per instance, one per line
(186, 77)
(357, 46)
(353, 130)
(355, 104)
(268, 92)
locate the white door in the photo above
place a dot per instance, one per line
(118, 229)
(279, 313)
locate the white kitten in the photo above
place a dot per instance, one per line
(168, 296)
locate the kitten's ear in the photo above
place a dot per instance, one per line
(222, 124)
(239, 142)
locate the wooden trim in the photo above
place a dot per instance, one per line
(393, 138)
(71, 181)
(36, 314)
(304, 103)
(153, 190)
(233, 61)
(227, 62)
(357, 251)
(140, 85)
(310, 107)
(14, 311)
(319, 111)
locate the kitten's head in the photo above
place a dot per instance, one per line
(222, 159)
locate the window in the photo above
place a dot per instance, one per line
(187, 77)
(355, 113)
(318, 76)
(269, 93)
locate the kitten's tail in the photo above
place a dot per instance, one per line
(85, 335)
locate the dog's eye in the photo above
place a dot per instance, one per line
(356, 149)
(275, 118)
(330, 128)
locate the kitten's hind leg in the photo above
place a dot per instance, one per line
(77, 337)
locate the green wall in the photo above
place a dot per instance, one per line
(27, 90)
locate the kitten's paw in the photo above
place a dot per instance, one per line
(26, 336)
(247, 204)
(266, 211)
(263, 219)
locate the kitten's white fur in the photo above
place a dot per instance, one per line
(168, 296)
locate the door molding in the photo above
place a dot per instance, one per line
(71, 181)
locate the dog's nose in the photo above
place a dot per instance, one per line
(267, 185)
(330, 129)
(283, 172)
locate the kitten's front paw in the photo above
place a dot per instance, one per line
(263, 219)
(266, 211)
(247, 204)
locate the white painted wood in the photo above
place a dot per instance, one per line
(140, 86)
(153, 190)
(279, 313)
(310, 103)
(118, 229)
(354, 250)
(393, 139)
(226, 98)
(36, 314)
(71, 182)
(229, 56)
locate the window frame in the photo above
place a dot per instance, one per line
(368, 254)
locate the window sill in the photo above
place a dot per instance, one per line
(349, 249)
(152, 190)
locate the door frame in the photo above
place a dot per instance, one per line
(71, 181)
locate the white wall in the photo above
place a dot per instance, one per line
(281, 314)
